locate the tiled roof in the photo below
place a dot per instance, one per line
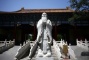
(22, 10)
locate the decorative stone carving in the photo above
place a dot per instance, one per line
(44, 37)
(83, 44)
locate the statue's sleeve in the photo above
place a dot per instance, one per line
(38, 30)
(49, 25)
(38, 24)
(49, 30)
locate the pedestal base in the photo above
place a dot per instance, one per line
(44, 58)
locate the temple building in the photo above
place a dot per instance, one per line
(21, 24)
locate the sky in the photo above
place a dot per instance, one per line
(15, 5)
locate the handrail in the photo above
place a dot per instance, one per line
(5, 45)
(56, 47)
(22, 50)
(71, 52)
(33, 49)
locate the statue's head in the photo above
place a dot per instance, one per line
(44, 14)
(44, 17)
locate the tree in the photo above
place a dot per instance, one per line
(80, 5)
(81, 8)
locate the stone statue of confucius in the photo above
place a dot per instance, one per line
(44, 36)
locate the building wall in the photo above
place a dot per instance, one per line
(25, 23)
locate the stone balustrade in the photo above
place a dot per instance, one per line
(23, 50)
(33, 49)
(61, 43)
(5, 45)
(57, 49)
(83, 44)
(64, 48)
(71, 53)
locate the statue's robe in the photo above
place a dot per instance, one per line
(44, 36)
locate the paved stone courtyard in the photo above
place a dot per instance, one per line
(77, 50)
(10, 54)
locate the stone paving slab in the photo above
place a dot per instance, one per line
(9, 54)
(78, 50)
(44, 58)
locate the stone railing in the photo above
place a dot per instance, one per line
(33, 49)
(5, 45)
(71, 53)
(61, 44)
(57, 49)
(31, 41)
(83, 44)
(23, 50)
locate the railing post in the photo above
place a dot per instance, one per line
(5, 42)
(14, 41)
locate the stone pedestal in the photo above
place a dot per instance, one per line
(44, 58)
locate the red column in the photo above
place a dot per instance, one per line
(15, 32)
(55, 30)
(34, 33)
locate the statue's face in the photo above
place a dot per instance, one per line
(44, 15)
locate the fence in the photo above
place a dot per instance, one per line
(5, 45)
(56, 47)
(23, 50)
(83, 44)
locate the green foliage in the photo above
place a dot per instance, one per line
(30, 37)
(59, 37)
(75, 17)
(79, 5)
(81, 8)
